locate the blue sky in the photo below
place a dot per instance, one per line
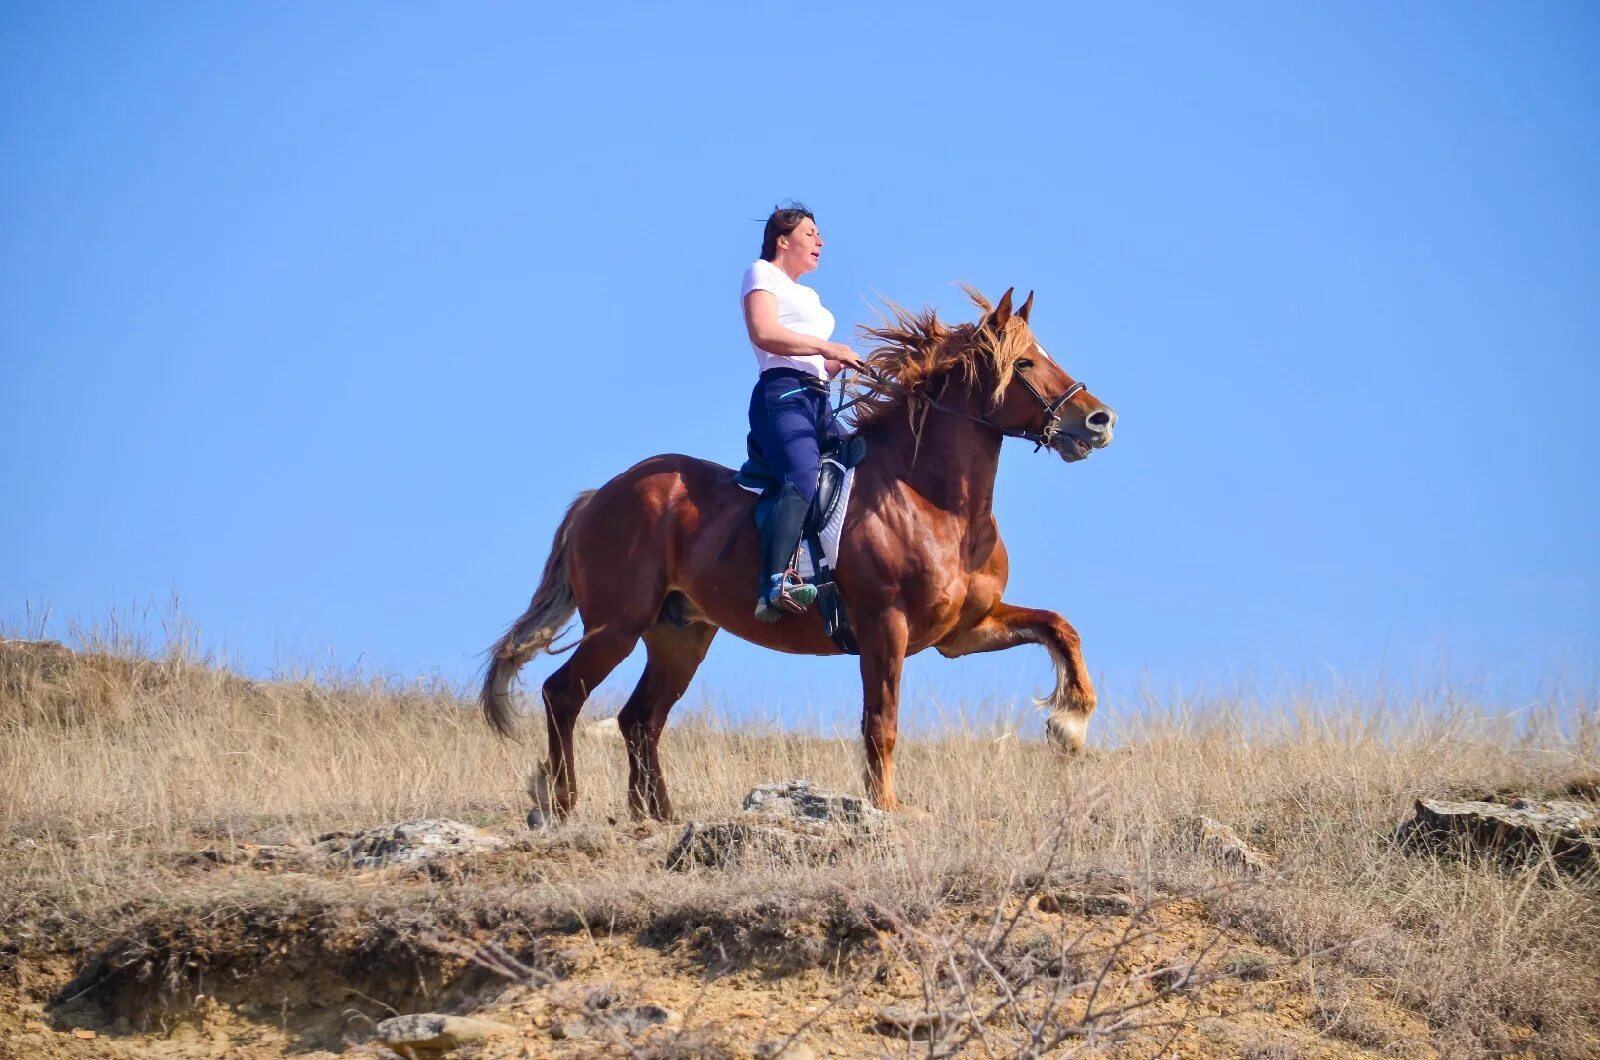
(318, 315)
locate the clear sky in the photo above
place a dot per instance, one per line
(318, 315)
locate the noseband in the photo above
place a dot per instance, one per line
(1044, 435)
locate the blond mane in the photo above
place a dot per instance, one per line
(916, 349)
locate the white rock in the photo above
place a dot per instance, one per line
(438, 1032)
(408, 841)
(1222, 844)
(801, 801)
(1567, 832)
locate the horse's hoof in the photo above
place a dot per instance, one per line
(1066, 733)
(903, 810)
(538, 819)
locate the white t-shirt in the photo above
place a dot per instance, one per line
(799, 309)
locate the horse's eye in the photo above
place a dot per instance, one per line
(1024, 363)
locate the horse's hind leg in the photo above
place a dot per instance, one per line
(674, 654)
(554, 783)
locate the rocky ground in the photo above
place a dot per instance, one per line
(275, 977)
(1317, 892)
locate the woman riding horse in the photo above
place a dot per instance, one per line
(658, 553)
(789, 414)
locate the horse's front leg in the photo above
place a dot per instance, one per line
(1006, 626)
(883, 653)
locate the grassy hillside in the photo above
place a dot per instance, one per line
(138, 791)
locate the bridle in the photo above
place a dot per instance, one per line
(1041, 437)
(1045, 436)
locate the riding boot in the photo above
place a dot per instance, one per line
(779, 540)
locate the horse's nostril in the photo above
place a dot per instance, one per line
(1100, 420)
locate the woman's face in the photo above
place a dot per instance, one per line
(801, 249)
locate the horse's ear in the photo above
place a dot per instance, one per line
(1002, 311)
(1027, 307)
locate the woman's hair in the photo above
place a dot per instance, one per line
(784, 219)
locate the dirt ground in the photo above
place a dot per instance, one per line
(1036, 906)
(312, 1000)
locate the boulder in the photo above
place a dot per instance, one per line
(435, 1032)
(801, 802)
(1568, 833)
(790, 823)
(404, 843)
(720, 844)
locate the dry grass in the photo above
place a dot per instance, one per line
(117, 767)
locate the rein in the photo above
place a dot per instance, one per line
(1044, 436)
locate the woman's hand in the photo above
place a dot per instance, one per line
(839, 356)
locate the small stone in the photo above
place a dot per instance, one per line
(85, 1035)
(781, 1050)
(1081, 904)
(626, 1021)
(433, 1030)
(37, 1026)
(1249, 966)
(1172, 977)
(571, 1029)
(1222, 844)
(570, 960)
(642, 1017)
(909, 1019)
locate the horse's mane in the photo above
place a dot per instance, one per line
(916, 349)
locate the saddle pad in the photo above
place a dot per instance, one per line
(833, 528)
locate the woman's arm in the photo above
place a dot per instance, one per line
(761, 321)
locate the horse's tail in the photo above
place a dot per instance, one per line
(548, 613)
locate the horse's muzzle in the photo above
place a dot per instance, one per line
(1098, 426)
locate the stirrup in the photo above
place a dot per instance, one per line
(784, 596)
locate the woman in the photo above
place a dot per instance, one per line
(789, 414)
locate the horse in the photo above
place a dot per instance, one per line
(667, 551)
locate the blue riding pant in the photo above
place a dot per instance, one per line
(790, 424)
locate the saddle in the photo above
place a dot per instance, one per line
(820, 540)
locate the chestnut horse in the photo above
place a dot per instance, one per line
(668, 552)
